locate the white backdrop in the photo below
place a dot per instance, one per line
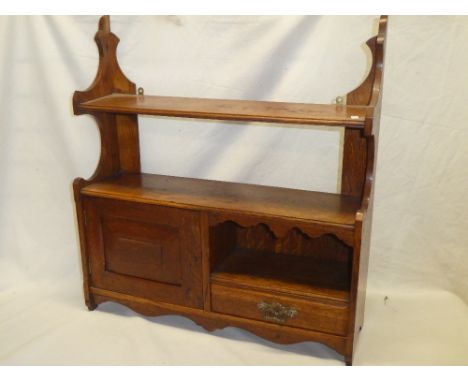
(419, 256)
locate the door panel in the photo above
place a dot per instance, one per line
(145, 250)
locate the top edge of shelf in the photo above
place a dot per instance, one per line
(324, 208)
(229, 110)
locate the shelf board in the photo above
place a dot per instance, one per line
(235, 110)
(290, 274)
(203, 194)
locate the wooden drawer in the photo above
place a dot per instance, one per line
(324, 317)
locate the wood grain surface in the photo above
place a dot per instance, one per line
(208, 194)
(235, 110)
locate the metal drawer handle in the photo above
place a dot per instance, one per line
(276, 312)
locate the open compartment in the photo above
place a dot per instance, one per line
(253, 257)
(295, 280)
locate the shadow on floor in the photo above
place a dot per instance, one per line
(308, 348)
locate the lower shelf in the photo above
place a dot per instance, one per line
(303, 276)
(332, 210)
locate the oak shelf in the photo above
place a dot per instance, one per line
(288, 265)
(201, 194)
(234, 110)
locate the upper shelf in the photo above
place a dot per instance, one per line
(234, 110)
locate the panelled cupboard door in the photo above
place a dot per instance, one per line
(145, 250)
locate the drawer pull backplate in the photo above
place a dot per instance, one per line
(276, 312)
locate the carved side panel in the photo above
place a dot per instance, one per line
(109, 78)
(364, 215)
(355, 150)
(368, 93)
(120, 151)
(119, 133)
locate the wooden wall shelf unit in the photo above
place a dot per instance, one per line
(285, 264)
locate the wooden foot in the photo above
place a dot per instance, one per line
(90, 304)
(349, 360)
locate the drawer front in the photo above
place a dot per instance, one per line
(281, 310)
(145, 250)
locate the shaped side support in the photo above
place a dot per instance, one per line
(120, 152)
